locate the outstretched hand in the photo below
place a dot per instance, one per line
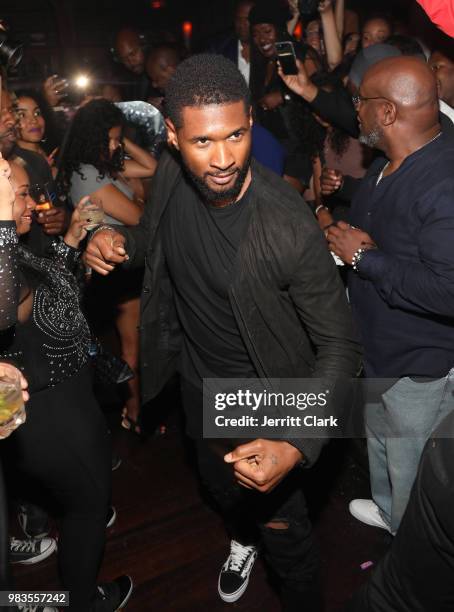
(299, 83)
(105, 250)
(262, 464)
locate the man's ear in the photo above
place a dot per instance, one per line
(172, 138)
(389, 113)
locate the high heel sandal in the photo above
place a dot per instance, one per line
(131, 424)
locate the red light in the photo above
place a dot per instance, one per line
(157, 4)
(298, 31)
(187, 28)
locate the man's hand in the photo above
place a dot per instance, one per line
(105, 250)
(262, 464)
(54, 221)
(299, 83)
(330, 181)
(344, 240)
(325, 6)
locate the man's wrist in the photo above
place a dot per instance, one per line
(71, 241)
(309, 92)
(321, 207)
(359, 254)
(100, 228)
(293, 452)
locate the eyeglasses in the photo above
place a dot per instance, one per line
(359, 98)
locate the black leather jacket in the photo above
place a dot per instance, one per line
(286, 295)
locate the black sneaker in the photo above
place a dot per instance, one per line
(111, 516)
(234, 575)
(34, 521)
(31, 551)
(112, 596)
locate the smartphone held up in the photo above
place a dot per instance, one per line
(287, 57)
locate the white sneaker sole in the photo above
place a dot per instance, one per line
(46, 553)
(232, 597)
(113, 518)
(126, 597)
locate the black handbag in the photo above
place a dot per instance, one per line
(108, 368)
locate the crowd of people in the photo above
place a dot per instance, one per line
(294, 226)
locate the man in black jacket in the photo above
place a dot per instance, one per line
(416, 573)
(238, 284)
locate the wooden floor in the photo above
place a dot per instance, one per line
(173, 544)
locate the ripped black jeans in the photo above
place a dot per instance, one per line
(291, 553)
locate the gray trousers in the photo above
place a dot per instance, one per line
(397, 429)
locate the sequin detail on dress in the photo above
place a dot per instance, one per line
(56, 313)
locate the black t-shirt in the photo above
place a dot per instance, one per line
(200, 244)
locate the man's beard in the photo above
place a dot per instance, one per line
(372, 138)
(6, 144)
(228, 195)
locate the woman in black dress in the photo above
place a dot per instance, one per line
(64, 444)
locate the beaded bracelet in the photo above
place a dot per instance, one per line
(100, 228)
(357, 258)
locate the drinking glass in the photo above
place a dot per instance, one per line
(12, 409)
(92, 212)
(41, 196)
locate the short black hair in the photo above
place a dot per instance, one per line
(204, 79)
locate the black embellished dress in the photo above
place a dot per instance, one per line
(62, 452)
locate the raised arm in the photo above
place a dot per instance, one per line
(118, 205)
(141, 165)
(333, 43)
(339, 14)
(295, 15)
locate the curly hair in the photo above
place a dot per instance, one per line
(204, 79)
(88, 141)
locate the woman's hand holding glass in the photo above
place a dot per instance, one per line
(13, 395)
(87, 215)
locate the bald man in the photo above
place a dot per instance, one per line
(129, 47)
(401, 280)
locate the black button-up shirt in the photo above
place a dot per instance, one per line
(403, 296)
